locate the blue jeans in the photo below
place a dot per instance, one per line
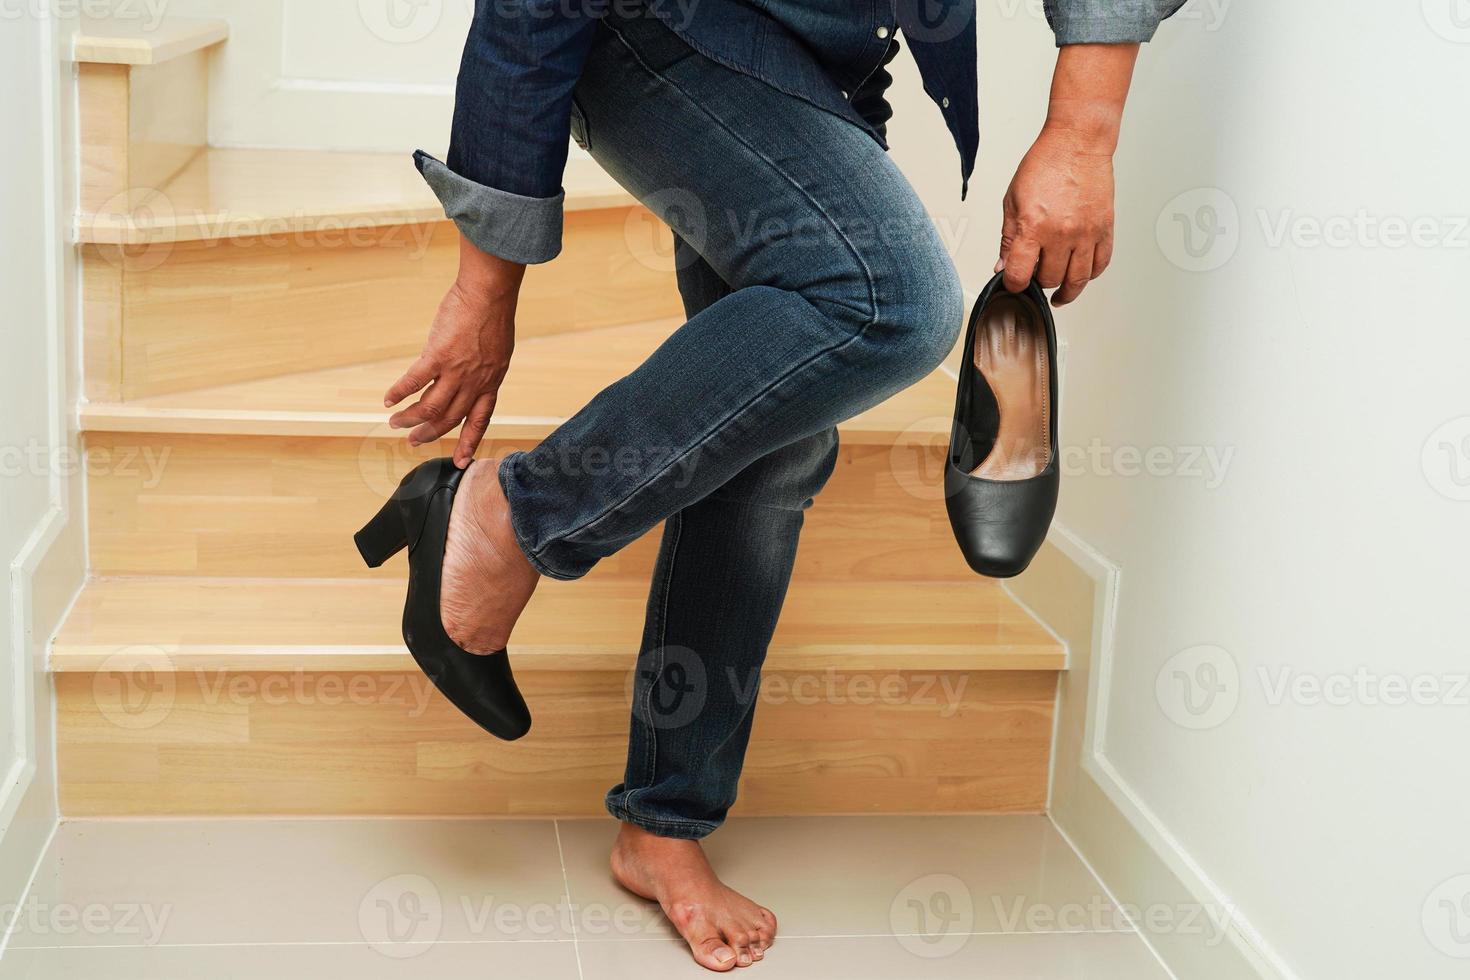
(816, 287)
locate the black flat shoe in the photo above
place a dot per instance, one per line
(1001, 477)
(416, 517)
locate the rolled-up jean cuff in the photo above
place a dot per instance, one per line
(515, 227)
(508, 485)
(1103, 30)
(682, 829)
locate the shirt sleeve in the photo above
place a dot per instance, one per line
(501, 183)
(1107, 21)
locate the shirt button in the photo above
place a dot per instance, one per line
(944, 102)
(882, 32)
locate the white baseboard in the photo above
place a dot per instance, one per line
(1196, 930)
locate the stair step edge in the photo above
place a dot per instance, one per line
(126, 417)
(116, 41)
(90, 658)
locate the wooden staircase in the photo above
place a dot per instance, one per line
(244, 311)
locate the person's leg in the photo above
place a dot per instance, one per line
(841, 295)
(719, 582)
(723, 567)
(717, 591)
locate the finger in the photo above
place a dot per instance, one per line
(419, 373)
(1079, 274)
(452, 416)
(1102, 257)
(1053, 267)
(1009, 230)
(430, 408)
(1020, 264)
(473, 432)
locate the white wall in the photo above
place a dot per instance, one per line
(40, 532)
(1329, 374)
(331, 74)
(1331, 381)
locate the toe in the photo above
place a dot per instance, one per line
(739, 941)
(713, 953)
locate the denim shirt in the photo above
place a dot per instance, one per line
(508, 148)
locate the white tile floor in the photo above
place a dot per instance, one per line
(857, 897)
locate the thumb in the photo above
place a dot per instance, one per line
(1008, 232)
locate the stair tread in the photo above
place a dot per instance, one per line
(551, 377)
(135, 41)
(182, 623)
(253, 193)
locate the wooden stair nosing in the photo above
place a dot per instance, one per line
(117, 41)
(167, 624)
(227, 193)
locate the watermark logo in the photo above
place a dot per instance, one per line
(401, 21)
(649, 234)
(1199, 230)
(135, 687)
(1210, 922)
(1450, 19)
(134, 220)
(1199, 687)
(131, 921)
(933, 916)
(1446, 917)
(384, 457)
(932, 21)
(401, 916)
(1446, 459)
(668, 687)
(146, 14)
(1363, 229)
(918, 457)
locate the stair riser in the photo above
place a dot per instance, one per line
(139, 125)
(312, 743)
(269, 506)
(182, 315)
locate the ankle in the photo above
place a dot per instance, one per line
(490, 510)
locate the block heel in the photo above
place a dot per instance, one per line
(416, 517)
(382, 537)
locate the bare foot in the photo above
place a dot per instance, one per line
(1010, 351)
(723, 928)
(487, 579)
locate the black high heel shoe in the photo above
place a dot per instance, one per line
(1001, 493)
(416, 517)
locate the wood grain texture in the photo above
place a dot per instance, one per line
(102, 366)
(552, 377)
(103, 117)
(591, 624)
(268, 506)
(208, 314)
(385, 743)
(257, 193)
(135, 41)
(168, 118)
(140, 127)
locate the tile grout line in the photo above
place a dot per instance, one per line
(803, 937)
(566, 884)
(554, 942)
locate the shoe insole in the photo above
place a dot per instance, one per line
(1011, 353)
